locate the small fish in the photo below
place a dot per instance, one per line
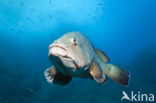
(73, 55)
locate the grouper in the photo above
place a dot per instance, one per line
(73, 55)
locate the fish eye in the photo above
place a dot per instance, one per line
(74, 41)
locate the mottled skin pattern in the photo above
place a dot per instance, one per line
(73, 55)
(82, 52)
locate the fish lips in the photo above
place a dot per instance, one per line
(59, 50)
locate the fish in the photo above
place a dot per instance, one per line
(74, 56)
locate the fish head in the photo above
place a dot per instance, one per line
(73, 50)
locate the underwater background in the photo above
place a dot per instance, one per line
(124, 29)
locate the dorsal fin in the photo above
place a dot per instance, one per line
(102, 55)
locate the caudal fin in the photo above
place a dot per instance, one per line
(117, 74)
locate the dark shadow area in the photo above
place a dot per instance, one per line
(143, 70)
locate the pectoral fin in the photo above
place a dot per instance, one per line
(56, 77)
(97, 73)
(102, 55)
(117, 74)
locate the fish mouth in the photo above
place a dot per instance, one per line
(60, 50)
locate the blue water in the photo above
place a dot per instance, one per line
(124, 29)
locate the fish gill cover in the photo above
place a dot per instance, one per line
(125, 30)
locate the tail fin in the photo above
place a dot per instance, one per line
(117, 74)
